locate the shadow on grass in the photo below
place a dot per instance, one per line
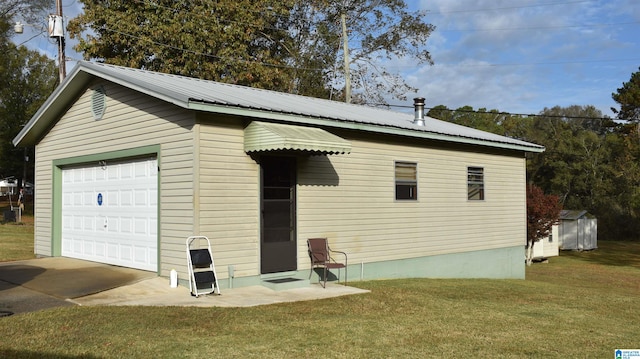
(625, 254)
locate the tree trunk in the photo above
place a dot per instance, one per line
(529, 252)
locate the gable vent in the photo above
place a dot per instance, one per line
(98, 104)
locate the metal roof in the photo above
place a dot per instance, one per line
(211, 96)
(573, 214)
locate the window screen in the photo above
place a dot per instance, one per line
(475, 183)
(406, 181)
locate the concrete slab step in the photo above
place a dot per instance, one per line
(285, 283)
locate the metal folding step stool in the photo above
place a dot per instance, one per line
(202, 271)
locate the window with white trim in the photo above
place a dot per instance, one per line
(406, 181)
(475, 183)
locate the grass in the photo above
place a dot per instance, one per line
(578, 305)
(16, 239)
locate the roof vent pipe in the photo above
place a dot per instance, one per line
(418, 104)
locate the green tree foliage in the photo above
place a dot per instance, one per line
(238, 41)
(628, 97)
(291, 45)
(480, 119)
(587, 163)
(627, 160)
(27, 78)
(575, 164)
(590, 161)
(543, 211)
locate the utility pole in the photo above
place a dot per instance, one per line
(56, 29)
(345, 47)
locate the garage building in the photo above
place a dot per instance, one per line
(129, 163)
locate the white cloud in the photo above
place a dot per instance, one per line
(527, 55)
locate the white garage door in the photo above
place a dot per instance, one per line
(110, 213)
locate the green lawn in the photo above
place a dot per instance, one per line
(16, 239)
(579, 305)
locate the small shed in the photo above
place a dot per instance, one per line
(547, 247)
(577, 230)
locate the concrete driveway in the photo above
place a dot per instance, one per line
(43, 283)
(37, 284)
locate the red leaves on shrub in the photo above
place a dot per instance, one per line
(543, 211)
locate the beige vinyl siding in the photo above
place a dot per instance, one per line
(229, 196)
(361, 216)
(42, 207)
(130, 120)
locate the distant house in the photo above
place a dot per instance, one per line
(577, 230)
(8, 186)
(129, 163)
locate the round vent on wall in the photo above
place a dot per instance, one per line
(98, 104)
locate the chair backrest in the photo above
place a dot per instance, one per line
(318, 250)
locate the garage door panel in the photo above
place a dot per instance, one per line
(100, 249)
(153, 227)
(112, 251)
(109, 213)
(88, 223)
(141, 226)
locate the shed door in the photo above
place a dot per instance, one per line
(109, 213)
(278, 215)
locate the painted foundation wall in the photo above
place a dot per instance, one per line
(505, 263)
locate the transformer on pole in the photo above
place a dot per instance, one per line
(56, 30)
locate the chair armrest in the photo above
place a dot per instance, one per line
(343, 253)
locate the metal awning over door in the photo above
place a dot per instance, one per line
(264, 136)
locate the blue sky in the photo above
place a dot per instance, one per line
(521, 56)
(517, 56)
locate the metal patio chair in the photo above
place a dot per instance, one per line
(320, 255)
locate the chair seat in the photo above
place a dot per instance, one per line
(334, 265)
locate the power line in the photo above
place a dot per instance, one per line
(207, 16)
(503, 113)
(248, 24)
(543, 63)
(508, 7)
(227, 59)
(543, 27)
